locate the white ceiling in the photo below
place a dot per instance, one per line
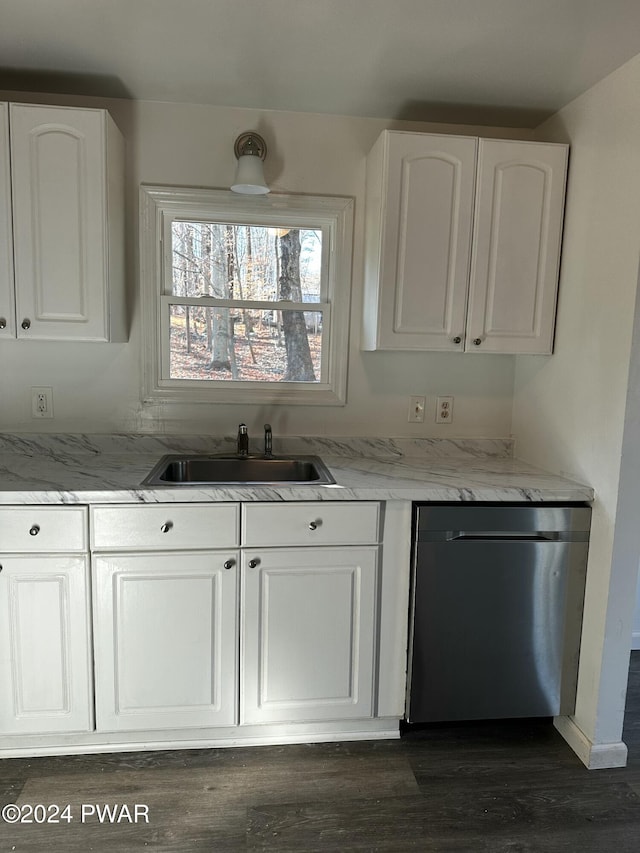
(482, 61)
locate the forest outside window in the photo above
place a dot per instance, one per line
(245, 299)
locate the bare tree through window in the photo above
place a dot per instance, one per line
(255, 283)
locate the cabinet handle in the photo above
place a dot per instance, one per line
(3, 323)
(457, 339)
(35, 529)
(229, 564)
(26, 323)
(254, 563)
(1, 567)
(477, 342)
(314, 525)
(166, 527)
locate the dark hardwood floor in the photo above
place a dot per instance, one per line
(509, 787)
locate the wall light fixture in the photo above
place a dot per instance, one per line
(250, 149)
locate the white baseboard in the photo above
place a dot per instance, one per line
(595, 756)
(635, 641)
(79, 743)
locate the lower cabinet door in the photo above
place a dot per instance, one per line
(165, 635)
(308, 631)
(45, 683)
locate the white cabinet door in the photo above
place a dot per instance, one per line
(44, 645)
(7, 302)
(308, 629)
(516, 246)
(165, 635)
(66, 169)
(418, 235)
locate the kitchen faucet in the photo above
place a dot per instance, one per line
(242, 447)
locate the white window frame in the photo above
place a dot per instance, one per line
(160, 206)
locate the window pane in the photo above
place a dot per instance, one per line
(234, 344)
(249, 262)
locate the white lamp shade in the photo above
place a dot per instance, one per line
(250, 176)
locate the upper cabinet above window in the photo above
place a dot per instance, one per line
(62, 221)
(462, 243)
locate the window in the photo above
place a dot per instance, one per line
(245, 299)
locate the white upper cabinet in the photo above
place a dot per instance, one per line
(7, 301)
(419, 210)
(516, 246)
(462, 243)
(67, 193)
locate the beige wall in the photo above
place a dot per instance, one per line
(569, 410)
(97, 387)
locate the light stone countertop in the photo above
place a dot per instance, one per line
(81, 469)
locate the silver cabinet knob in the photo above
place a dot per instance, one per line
(35, 529)
(457, 339)
(229, 564)
(166, 527)
(254, 563)
(26, 323)
(477, 342)
(3, 323)
(314, 525)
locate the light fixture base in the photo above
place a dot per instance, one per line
(250, 143)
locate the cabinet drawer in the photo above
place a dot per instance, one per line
(43, 529)
(164, 527)
(312, 523)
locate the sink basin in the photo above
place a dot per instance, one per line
(233, 470)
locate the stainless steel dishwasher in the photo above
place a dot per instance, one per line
(496, 610)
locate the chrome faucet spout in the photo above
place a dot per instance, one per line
(243, 441)
(268, 442)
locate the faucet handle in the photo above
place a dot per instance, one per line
(268, 441)
(243, 441)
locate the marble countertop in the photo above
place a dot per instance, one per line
(70, 469)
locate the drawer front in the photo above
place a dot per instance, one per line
(164, 527)
(312, 523)
(43, 529)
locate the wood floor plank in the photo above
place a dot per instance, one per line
(183, 814)
(309, 778)
(10, 789)
(389, 824)
(479, 820)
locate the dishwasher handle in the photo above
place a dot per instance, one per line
(497, 536)
(503, 536)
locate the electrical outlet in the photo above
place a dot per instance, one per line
(444, 410)
(42, 402)
(416, 410)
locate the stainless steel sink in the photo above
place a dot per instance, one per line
(232, 470)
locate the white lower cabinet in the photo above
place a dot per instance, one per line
(165, 640)
(214, 635)
(165, 615)
(308, 634)
(45, 671)
(212, 622)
